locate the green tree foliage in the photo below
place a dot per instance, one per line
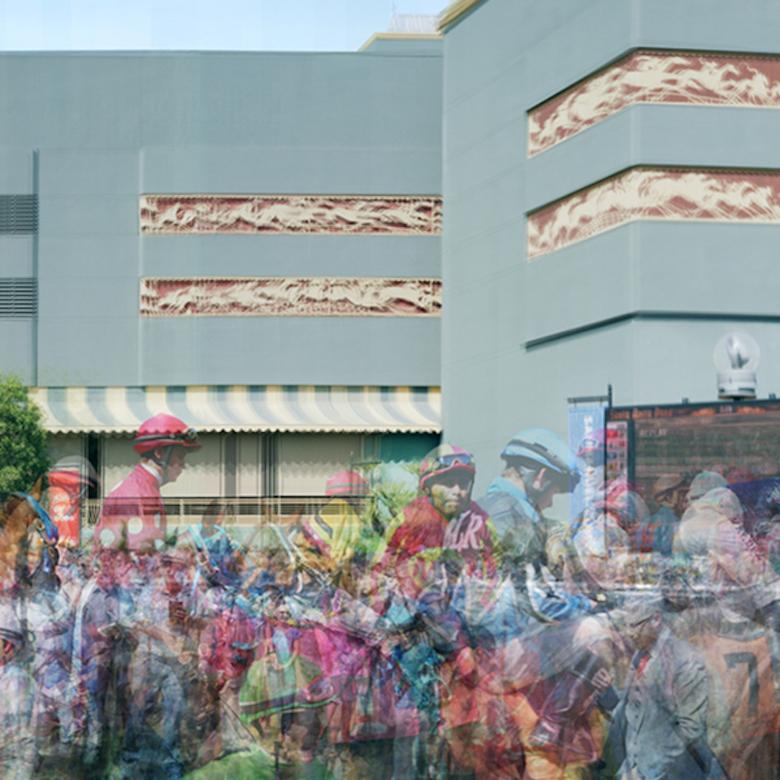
(23, 453)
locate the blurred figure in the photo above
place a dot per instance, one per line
(441, 536)
(70, 480)
(50, 620)
(709, 500)
(661, 720)
(765, 522)
(702, 483)
(73, 571)
(656, 534)
(518, 698)
(100, 656)
(227, 647)
(335, 530)
(133, 514)
(603, 538)
(17, 744)
(163, 667)
(393, 486)
(214, 548)
(712, 535)
(740, 655)
(286, 675)
(735, 558)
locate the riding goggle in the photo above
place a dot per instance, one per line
(190, 435)
(456, 459)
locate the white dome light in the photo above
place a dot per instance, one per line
(736, 358)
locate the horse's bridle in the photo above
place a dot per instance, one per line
(44, 525)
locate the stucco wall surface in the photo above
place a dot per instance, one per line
(638, 305)
(90, 133)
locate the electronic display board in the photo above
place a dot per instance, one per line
(740, 441)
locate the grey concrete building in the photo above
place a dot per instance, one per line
(610, 175)
(250, 241)
(255, 241)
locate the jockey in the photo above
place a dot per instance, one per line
(442, 523)
(538, 466)
(334, 532)
(512, 693)
(133, 513)
(441, 538)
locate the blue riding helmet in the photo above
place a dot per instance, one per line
(540, 447)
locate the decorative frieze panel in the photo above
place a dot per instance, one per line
(291, 297)
(701, 79)
(335, 214)
(655, 194)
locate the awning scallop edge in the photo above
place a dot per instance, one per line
(247, 408)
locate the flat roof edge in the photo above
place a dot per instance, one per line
(455, 12)
(390, 36)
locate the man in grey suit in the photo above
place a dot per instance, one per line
(662, 717)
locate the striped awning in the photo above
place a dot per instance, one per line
(243, 408)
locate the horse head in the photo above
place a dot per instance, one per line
(28, 537)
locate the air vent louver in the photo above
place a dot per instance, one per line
(18, 297)
(18, 214)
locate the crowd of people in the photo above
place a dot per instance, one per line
(408, 629)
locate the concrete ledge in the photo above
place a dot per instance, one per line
(453, 13)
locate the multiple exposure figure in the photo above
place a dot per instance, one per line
(404, 628)
(133, 515)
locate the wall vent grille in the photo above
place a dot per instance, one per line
(18, 298)
(18, 214)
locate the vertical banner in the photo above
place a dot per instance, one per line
(587, 420)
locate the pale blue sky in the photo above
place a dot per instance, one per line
(282, 25)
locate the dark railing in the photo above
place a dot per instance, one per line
(243, 511)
